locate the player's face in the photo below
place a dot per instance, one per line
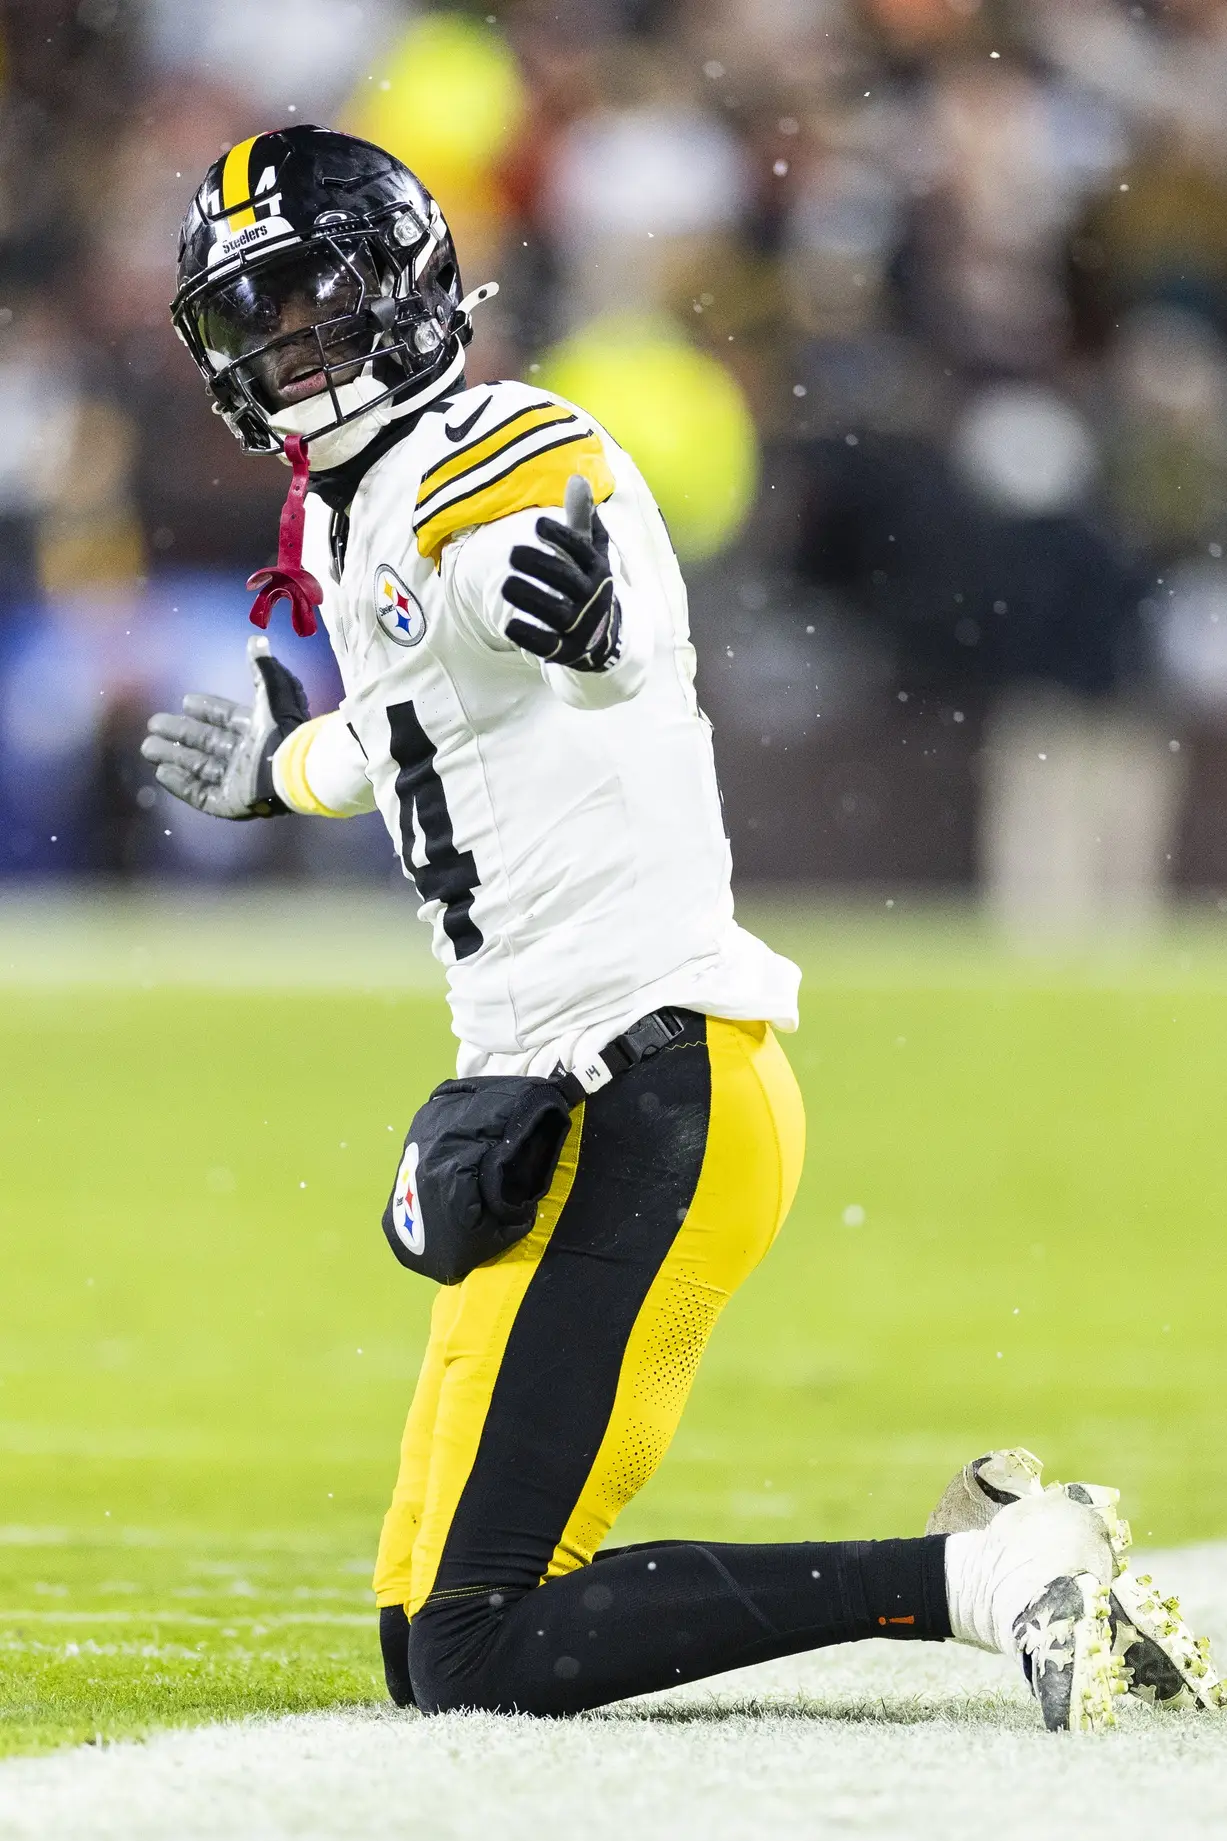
(258, 315)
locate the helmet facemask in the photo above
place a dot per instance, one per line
(329, 338)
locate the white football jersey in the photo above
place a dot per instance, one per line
(563, 829)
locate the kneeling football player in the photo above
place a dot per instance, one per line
(510, 626)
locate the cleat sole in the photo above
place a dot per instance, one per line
(1098, 1678)
(1163, 1661)
(1065, 1641)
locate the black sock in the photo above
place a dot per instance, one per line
(650, 1617)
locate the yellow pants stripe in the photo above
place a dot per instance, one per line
(751, 1167)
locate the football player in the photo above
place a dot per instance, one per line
(510, 626)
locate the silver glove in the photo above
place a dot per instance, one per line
(218, 755)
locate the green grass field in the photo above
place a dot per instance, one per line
(1011, 1229)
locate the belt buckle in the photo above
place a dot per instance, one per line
(668, 1022)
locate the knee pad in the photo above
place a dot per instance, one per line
(450, 1644)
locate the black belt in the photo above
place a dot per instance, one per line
(639, 1043)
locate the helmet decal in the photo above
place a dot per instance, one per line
(243, 213)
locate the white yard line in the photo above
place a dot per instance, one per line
(898, 1741)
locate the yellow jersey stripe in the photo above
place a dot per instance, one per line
(291, 765)
(498, 428)
(236, 185)
(539, 479)
(539, 415)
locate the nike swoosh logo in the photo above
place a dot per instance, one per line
(458, 434)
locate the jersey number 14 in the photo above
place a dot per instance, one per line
(448, 875)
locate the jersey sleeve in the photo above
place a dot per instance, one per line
(523, 462)
(474, 570)
(320, 770)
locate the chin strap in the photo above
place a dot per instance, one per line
(462, 325)
(289, 581)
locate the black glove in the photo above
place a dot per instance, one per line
(218, 756)
(576, 618)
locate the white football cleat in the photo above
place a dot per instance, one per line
(1034, 1583)
(1161, 1660)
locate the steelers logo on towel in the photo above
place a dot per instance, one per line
(406, 1205)
(397, 608)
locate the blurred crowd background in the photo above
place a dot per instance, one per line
(914, 312)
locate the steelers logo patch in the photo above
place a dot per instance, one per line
(397, 608)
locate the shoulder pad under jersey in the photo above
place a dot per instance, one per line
(500, 448)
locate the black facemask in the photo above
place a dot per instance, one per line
(286, 322)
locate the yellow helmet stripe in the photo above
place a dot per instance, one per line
(236, 185)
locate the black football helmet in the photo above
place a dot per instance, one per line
(318, 291)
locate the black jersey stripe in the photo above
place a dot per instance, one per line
(522, 460)
(528, 409)
(526, 434)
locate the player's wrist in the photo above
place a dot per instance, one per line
(289, 772)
